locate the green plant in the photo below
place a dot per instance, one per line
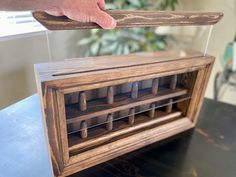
(124, 41)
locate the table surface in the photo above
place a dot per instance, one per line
(207, 151)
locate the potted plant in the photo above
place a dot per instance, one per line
(127, 40)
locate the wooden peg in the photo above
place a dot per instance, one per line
(110, 95)
(155, 85)
(169, 106)
(83, 129)
(173, 82)
(134, 90)
(82, 101)
(131, 116)
(151, 112)
(109, 125)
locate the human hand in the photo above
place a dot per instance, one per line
(84, 11)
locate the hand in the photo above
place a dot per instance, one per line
(84, 11)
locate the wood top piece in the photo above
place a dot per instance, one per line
(85, 67)
(134, 19)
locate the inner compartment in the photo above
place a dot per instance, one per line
(99, 116)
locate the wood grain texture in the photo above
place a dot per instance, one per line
(134, 19)
(137, 126)
(98, 109)
(128, 144)
(78, 72)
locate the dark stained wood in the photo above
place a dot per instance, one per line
(59, 74)
(105, 152)
(106, 128)
(134, 19)
(121, 130)
(98, 108)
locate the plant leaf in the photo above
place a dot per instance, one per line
(84, 41)
(135, 3)
(94, 48)
(110, 48)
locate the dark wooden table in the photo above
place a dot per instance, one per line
(207, 151)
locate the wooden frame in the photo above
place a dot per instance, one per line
(98, 108)
(69, 80)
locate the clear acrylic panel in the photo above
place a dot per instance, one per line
(80, 43)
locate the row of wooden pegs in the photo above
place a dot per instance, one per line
(131, 115)
(134, 92)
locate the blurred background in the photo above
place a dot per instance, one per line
(24, 42)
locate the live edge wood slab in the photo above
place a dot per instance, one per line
(99, 108)
(134, 19)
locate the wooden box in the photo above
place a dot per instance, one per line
(98, 108)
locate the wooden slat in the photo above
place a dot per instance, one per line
(75, 78)
(125, 145)
(134, 19)
(99, 110)
(88, 65)
(123, 129)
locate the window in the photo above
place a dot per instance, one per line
(17, 23)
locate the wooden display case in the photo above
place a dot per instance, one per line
(98, 108)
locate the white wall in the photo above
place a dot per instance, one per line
(17, 57)
(223, 33)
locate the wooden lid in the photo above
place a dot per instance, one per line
(134, 19)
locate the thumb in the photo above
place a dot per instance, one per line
(104, 20)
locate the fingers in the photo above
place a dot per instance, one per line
(104, 20)
(54, 12)
(101, 4)
(88, 11)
